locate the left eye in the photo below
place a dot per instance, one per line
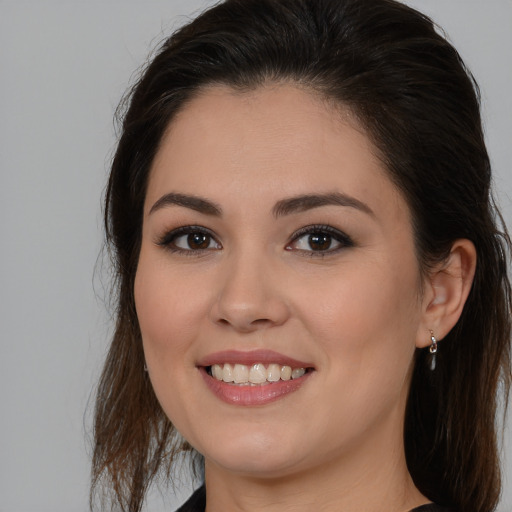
(320, 240)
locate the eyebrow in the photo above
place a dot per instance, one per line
(282, 208)
(309, 201)
(187, 201)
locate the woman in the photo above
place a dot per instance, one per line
(312, 284)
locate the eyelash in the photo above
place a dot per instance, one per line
(321, 229)
(168, 240)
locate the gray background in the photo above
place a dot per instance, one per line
(64, 66)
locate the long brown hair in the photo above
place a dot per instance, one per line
(419, 104)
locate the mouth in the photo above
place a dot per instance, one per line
(253, 378)
(255, 375)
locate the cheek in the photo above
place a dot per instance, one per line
(167, 311)
(361, 298)
(366, 321)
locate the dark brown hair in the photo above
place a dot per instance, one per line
(419, 104)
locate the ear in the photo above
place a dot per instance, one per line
(445, 292)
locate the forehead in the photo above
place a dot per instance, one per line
(277, 140)
(262, 119)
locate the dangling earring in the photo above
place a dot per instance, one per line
(145, 368)
(433, 351)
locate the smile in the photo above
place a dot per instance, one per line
(257, 374)
(253, 378)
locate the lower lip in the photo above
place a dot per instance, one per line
(252, 395)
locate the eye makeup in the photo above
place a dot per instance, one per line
(189, 240)
(319, 240)
(312, 240)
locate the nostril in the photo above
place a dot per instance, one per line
(245, 326)
(261, 321)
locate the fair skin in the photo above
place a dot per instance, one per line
(331, 284)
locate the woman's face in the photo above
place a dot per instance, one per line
(274, 242)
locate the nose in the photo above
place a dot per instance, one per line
(250, 295)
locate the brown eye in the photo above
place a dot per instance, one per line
(190, 239)
(197, 241)
(320, 241)
(317, 242)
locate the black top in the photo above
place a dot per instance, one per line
(197, 503)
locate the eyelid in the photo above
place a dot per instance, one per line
(166, 241)
(335, 233)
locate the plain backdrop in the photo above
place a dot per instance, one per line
(64, 66)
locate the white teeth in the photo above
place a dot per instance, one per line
(286, 373)
(240, 373)
(256, 374)
(273, 372)
(227, 373)
(217, 371)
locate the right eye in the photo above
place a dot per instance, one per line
(190, 239)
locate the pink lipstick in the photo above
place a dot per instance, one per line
(252, 378)
(252, 357)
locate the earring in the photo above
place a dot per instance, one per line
(433, 351)
(145, 368)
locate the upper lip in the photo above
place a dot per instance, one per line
(252, 357)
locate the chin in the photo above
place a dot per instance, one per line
(253, 454)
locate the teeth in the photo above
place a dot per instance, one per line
(217, 371)
(298, 372)
(227, 373)
(256, 374)
(273, 372)
(286, 373)
(240, 373)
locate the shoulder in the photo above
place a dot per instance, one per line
(196, 502)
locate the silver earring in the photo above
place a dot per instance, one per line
(433, 351)
(145, 368)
